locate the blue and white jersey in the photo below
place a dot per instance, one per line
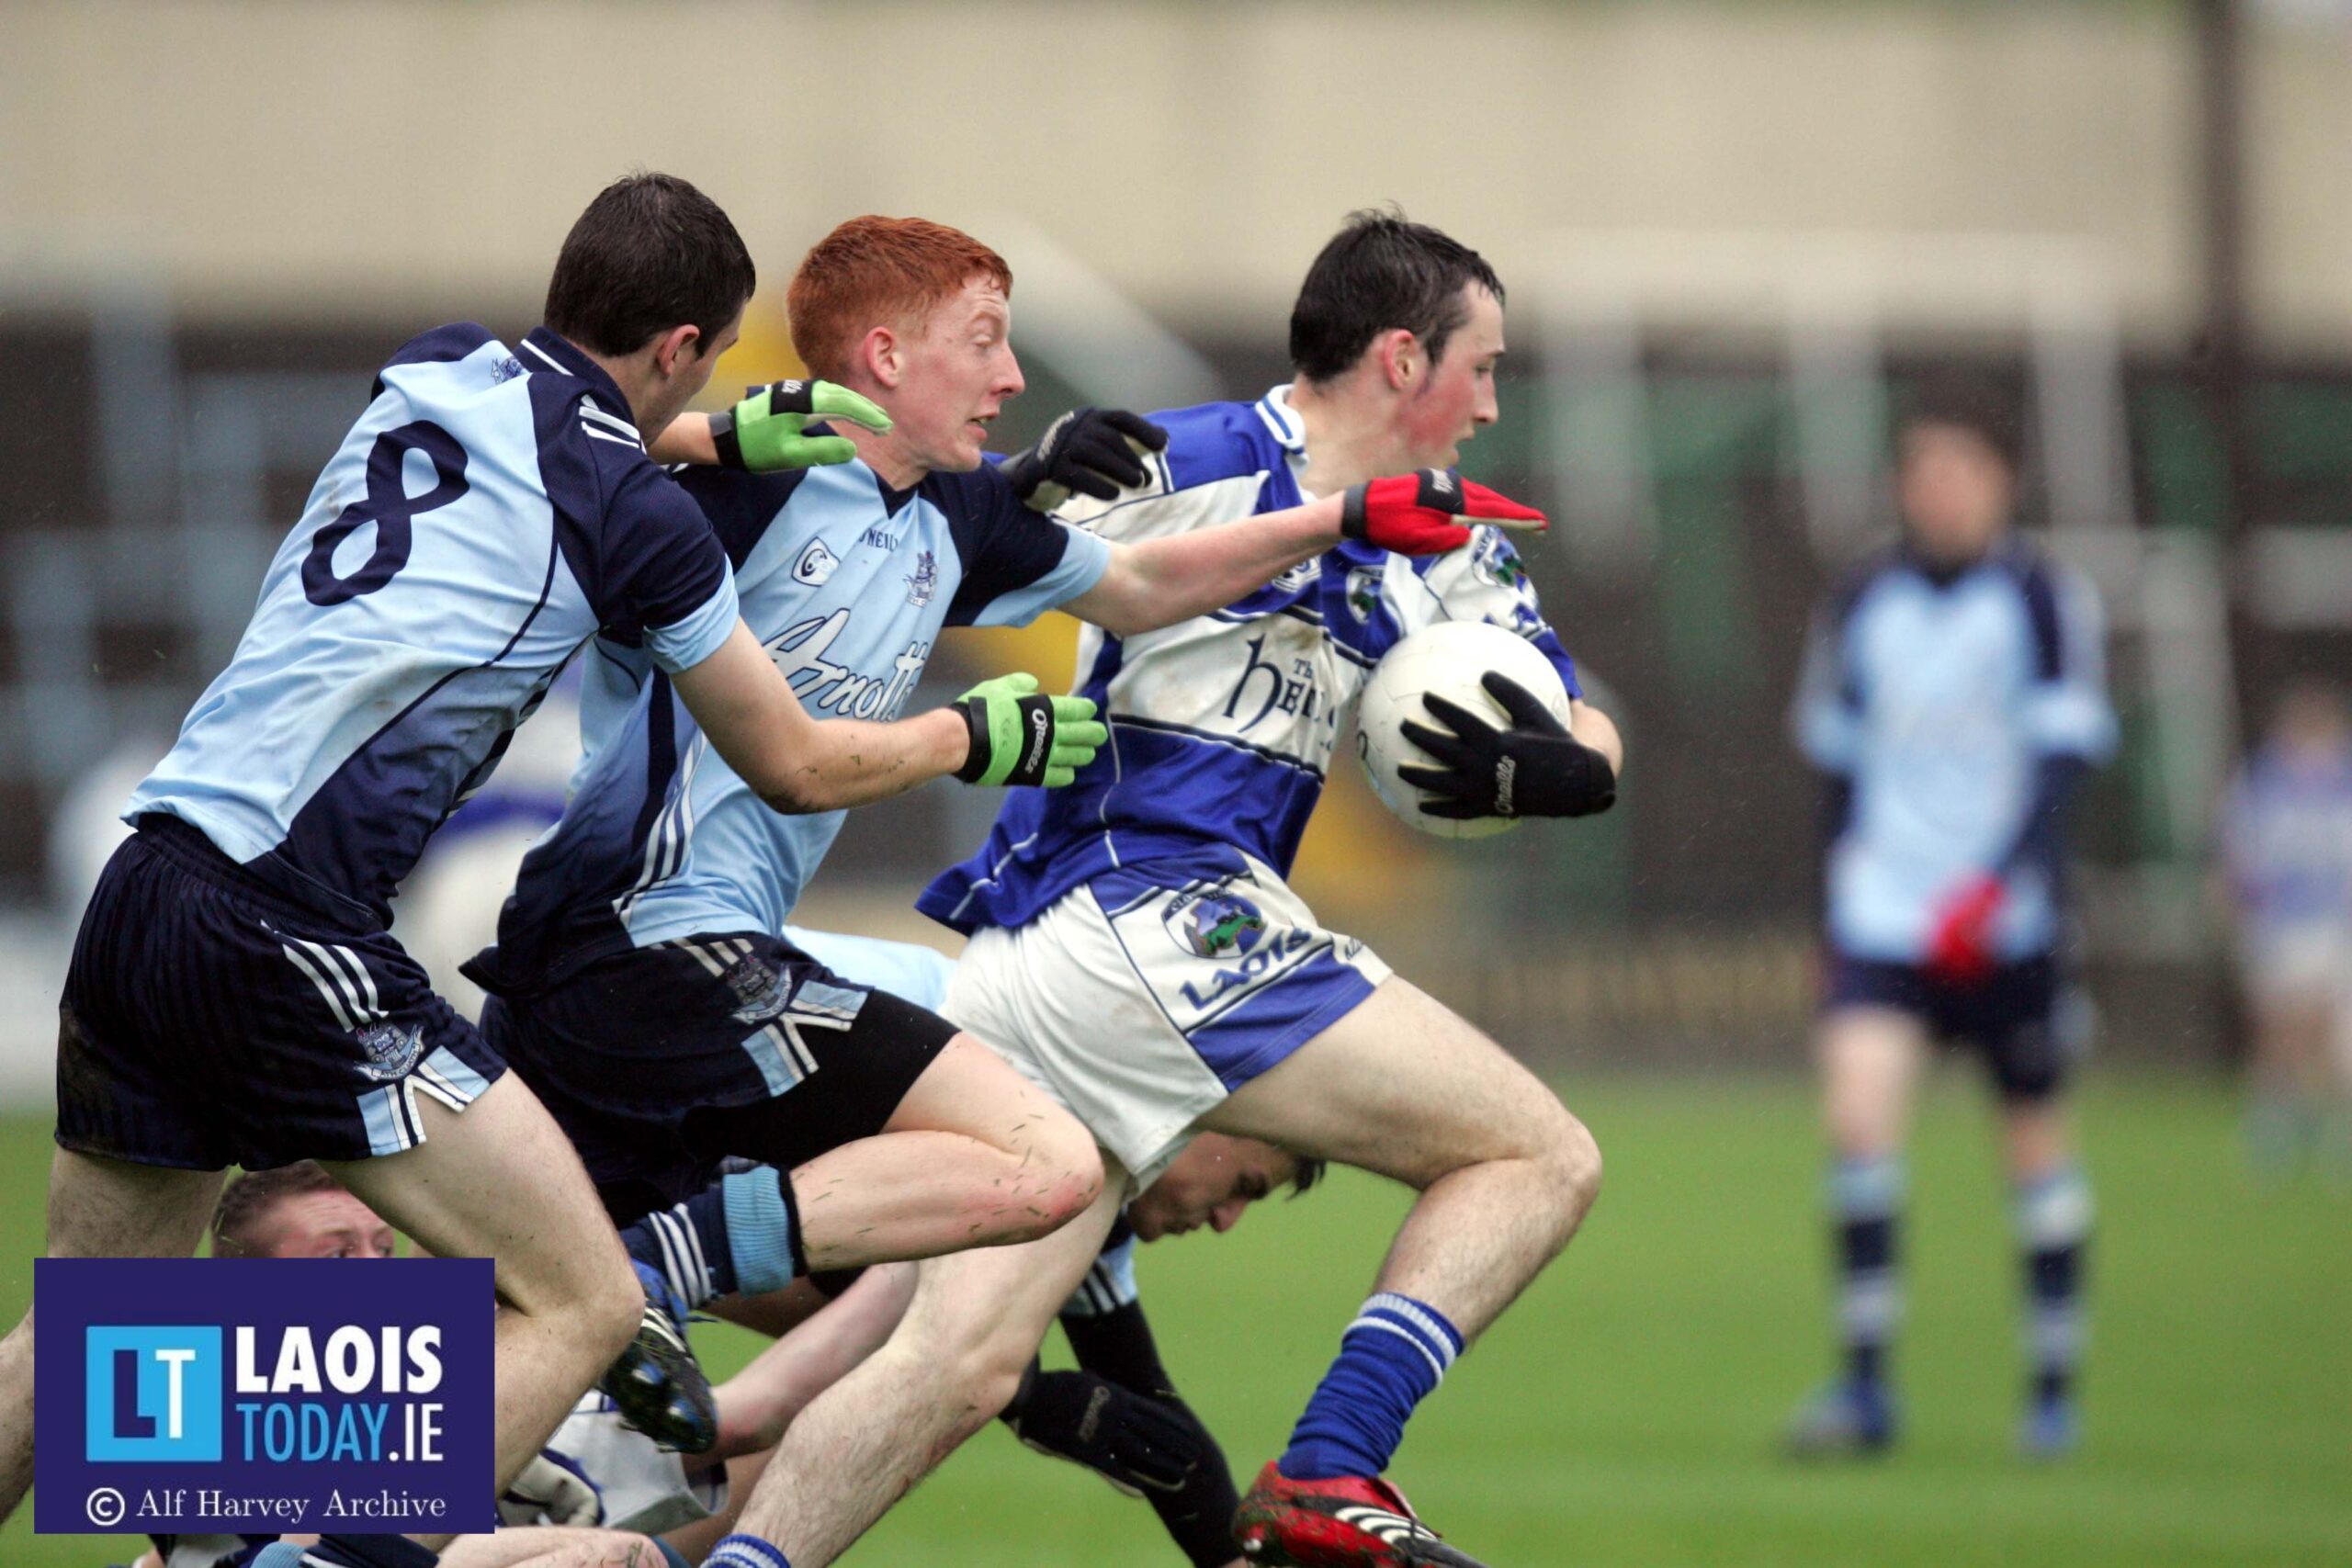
(1222, 726)
(1938, 698)
(909, 971)
(847, 583)
(490, 512)
(2287, 843)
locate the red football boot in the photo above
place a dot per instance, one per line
(1350, 1521)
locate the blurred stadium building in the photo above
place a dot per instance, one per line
(1731, 232)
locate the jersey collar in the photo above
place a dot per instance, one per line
(1282, 421)
(545, 350)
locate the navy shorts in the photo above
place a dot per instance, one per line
(662, 1061)
(2017, 1018)
(211, 1019)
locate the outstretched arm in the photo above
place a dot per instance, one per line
(998, 733)
(1161, 581)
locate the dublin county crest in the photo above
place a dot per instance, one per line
(759, 987)
(392, 1048)
(1214, 924)
(923, 580)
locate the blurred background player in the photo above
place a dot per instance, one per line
(1226, 723)
(1953, 699)
(2287, 871)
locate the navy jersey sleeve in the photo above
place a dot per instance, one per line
(1017, 564)
(739, 505)
(651, 567)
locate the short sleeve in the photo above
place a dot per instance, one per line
(1016, 564)
(664, 572)
(1826, 716)
(2066, 711)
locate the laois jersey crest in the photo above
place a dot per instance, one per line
(1222, 726)
(490, 512)
(1937, 699)
(847, 583)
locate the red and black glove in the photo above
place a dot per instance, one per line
(1960, 948)
(1415, 513)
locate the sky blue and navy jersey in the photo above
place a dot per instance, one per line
(490, 512)
(847, 583)
(1938, 697)
(1222, 726)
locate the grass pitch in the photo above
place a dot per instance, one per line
(1624, 1415)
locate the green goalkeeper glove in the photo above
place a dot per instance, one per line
(1021, 737)
(763, 433)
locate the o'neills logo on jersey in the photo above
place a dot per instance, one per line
(826, 686)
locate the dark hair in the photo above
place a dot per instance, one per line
(1971, 402)
(1379, 273)
(1308, 1172)
(652, 253)
(247, 1198)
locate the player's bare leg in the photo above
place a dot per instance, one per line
(2052, 1201)
(976, 1319)
(98, 1208)
(974, 1155)
(500, 1181)
(1407, 1088)
(1871, 1059)
(1404, 1087)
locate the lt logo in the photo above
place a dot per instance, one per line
(152, 1393)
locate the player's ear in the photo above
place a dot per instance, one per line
(884, 356)
(677, 348)
(1398, 354)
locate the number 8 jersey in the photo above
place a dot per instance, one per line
(490, 512)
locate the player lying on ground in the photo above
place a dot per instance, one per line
(1953, 700)
(234, 996)
(641, 981)
(1107, 939)
(602, 1490)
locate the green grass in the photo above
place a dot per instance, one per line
(1623, 1414)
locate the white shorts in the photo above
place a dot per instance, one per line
(1142, 999)
(2308, 962)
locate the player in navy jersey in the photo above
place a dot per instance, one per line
(233, 996)
(642, 980)
(1953, 700)
(1139, 956)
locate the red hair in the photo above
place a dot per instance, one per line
(873, 272)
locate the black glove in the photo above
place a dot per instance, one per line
(1091, 451)
(1138, 1445)
(1533, 769)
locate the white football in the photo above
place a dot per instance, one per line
(1447, 660)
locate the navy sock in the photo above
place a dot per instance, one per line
(687, 1244)
(2054, 1217)
(1866, 1196)
(740, 1234)
(1391, 1356)
(745, 1551)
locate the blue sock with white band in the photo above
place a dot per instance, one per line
(745, 1551)
(1390, 1359)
